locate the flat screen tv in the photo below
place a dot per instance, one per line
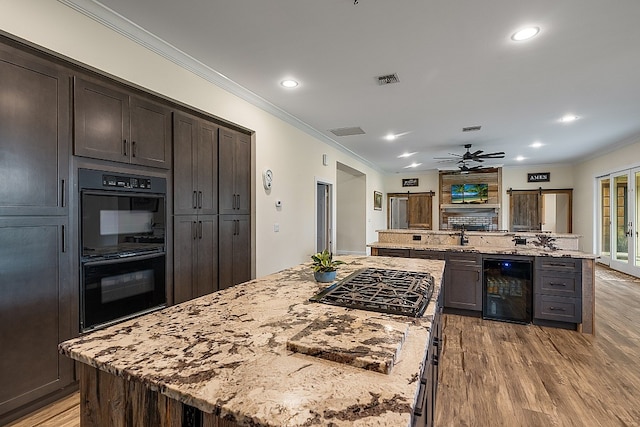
(469, 193)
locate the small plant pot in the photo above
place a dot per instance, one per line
(325, 276)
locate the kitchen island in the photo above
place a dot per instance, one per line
(228, 355)
(563, 276)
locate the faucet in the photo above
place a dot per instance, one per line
(463, 239)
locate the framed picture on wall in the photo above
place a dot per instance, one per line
(377, 200)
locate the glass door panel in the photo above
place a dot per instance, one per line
(634, 226)
(605, 218)
(620, 218)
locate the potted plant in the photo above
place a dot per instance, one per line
(324, 266)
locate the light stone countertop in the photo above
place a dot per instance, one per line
(488, 250)
(226, 352)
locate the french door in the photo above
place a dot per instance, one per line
(618, 222)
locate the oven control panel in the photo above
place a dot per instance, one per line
(126, 182)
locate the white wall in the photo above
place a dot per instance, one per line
(584, 200)
(351, 199)
(427, 180)
(515, 177)
(294, 156)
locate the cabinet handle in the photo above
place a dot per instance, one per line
(199, 229)
(62, 201)
(556, 309)
(194, 232)
(199, 199)
(63, 239)
(194, 199)
(124, 147)
(133, 148)
(237, 231)
(556, 284)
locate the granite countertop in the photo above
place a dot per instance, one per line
(230, 352)
(481, 233)
(489, 250)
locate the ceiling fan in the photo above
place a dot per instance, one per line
(476, 156)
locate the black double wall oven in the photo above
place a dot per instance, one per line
(123, 246)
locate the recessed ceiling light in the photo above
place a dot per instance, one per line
(568, 118)
(519, 158)
(289, 83)
(525, 34)
(536, 144)
(413, 165)
(390, 137)
(403, 155)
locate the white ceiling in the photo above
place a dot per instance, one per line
(455, 60)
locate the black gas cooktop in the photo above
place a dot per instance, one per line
(386, 291)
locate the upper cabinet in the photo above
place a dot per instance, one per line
(34, 135)
(112, 124)
(234, 172)
(195, 166)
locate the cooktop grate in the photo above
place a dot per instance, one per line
(385, 291)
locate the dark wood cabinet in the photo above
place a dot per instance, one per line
(557, 290)
(112, 124)
(425, 254)
(35, 309)
(195, 266)
(195, 166)
(463, 281)
(234, 172)
(404, 253)
(34, 135)
(234, 250)
(36, 289)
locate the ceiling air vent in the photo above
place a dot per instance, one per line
(347, 131)
(388, 79)
(471, 128)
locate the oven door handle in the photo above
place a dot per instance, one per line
(124, 259)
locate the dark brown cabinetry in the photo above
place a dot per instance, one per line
(557, 290)
(463, 281)
(34, 135)
(112, 124)
(235, 250)
(195, 166)
(35, 283)
(195, 267)
(418, 253)
(404, 253)
(234, 172)
(195, 205)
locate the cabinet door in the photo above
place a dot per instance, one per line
(463, 284)
(34, 135)
(101, 122)
(185, 137)
(184, 257)
(35, 309)
(234, 172)
(234, 250)
(226, 189)
(207, 169)
(207, 265)
(150, 133)
(242, 174)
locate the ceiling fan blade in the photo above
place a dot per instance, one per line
(492, 156)
(477, 153)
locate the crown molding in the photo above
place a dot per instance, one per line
(123, 26)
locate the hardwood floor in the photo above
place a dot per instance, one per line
(501, 374)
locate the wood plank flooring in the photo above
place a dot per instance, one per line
(501, 374)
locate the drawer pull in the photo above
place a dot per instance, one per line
(557, 284)
(557, 309)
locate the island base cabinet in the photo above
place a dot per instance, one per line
(463, 282)
(110, 400)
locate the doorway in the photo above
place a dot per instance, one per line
(541, 210)
(324, 223)
(617, 220)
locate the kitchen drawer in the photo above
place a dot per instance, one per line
(394, 252)
(562, 309)
(417, 253)
(558, 264)
(558, 283)
(470, 259)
